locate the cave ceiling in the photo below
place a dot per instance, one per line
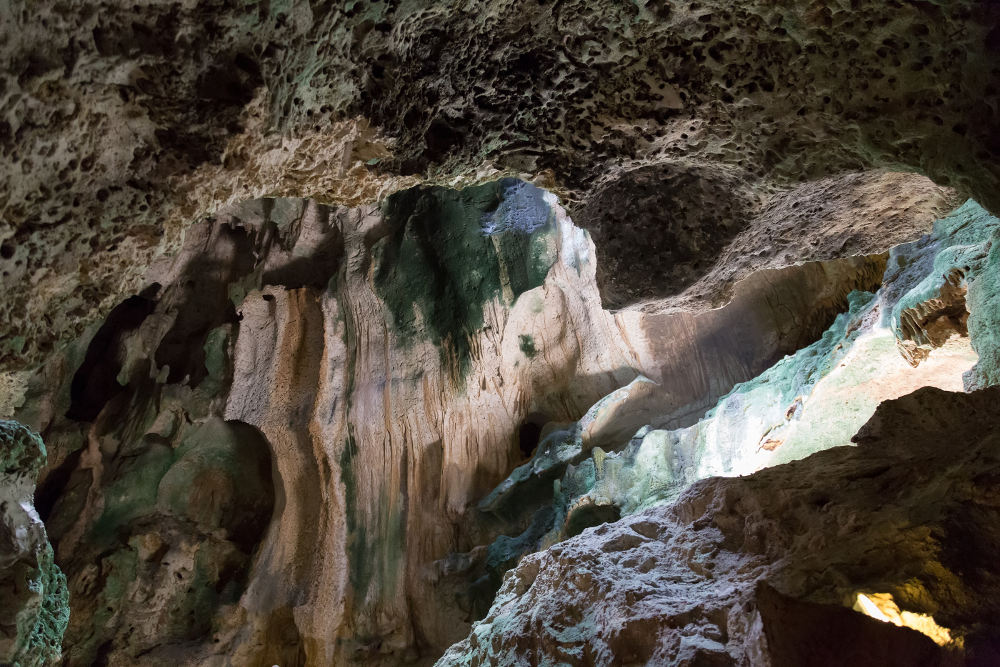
(121, 125)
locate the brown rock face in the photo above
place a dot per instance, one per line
(272, 454)
(930, 323)
(762, 569)
(679, 237)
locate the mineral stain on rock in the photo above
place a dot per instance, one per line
(440, 263)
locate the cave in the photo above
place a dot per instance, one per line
(510, 332)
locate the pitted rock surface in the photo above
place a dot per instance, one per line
(121, 125)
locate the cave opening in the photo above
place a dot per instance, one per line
(529, 434)
(590, 516)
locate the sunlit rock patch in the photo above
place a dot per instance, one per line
(812, 400)
(765, 568)
(882, 607)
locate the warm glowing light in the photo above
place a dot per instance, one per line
(881, 606)
(869, 608)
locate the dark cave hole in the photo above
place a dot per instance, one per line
(96, 381)
(247, 523)
(441, 138)
(529, 434)
(47, 493)
(589, 516)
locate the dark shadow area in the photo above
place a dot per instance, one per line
(48, 492)
(201, 300)
(313, 270)
(96, 381)
(211, 489)
(589, 516)
(529, 433)
(247, 523)
(659, 228)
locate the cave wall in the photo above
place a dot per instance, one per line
(204, 264)
(378, 364)
(763, 569)
(629, 452)
(383, 393)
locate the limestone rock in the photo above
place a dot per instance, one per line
(120, 126)
(681, 241)
(808, 401)
(385, 362)
(759, 569)
(285, 302)
(35, 609)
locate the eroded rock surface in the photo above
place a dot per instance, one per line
(808, 401)
(758, 569)
(376, 372)
(277, 379)
(671, 238)
(121, 125)
(35, 607)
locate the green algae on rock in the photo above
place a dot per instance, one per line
(35, 609)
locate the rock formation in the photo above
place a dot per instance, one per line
(35, 611)
(121, 125)
(273, 454)
(763, 569)
(384, 393)
(358, 331)
(808, 401)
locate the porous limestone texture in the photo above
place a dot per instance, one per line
(764, 569)
(272, 453)
(120, 124)
(35, 608)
